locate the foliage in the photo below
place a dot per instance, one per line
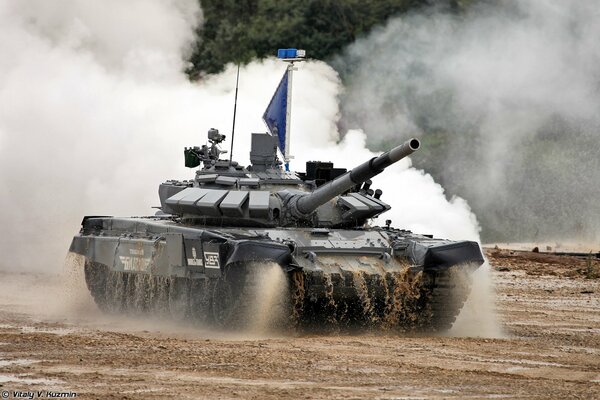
(239, 31)
(592, 271)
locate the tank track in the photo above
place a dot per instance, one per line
(397, 301)
(401, 301)
(447, 295)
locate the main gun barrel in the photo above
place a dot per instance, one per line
(367, 170)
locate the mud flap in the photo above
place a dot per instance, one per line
(439, 256)
(244, 251)
(98, 249)
(80, 245)
(175, 255)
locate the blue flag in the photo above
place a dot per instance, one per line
(275, 114)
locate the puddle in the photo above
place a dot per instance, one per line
(575, 349)
(444, 391)
(521, 362)
(516, 369)
(29, 381)
(7, 363)
(583, 330)
(147, 390)
(53, 331)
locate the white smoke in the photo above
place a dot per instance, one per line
(509, 94)
(89, 99)
(95, 111)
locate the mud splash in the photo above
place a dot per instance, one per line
(273, 302)
(264, 304)
(270, 303)
(478, 317)
(394, 301)
(366, 299)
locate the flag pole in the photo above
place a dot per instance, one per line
(288, 116)
(237, 81)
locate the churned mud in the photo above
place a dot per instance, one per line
(545, 343)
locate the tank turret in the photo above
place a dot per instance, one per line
(263, 194)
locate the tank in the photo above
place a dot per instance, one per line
(210, 251)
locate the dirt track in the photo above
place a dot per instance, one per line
(549, 313)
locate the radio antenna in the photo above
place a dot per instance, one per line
(237, 81)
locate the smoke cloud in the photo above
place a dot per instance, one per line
(95, 111)
(506, 99)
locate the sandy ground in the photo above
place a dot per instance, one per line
(546, 345)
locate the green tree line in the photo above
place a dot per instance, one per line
(242, 30)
